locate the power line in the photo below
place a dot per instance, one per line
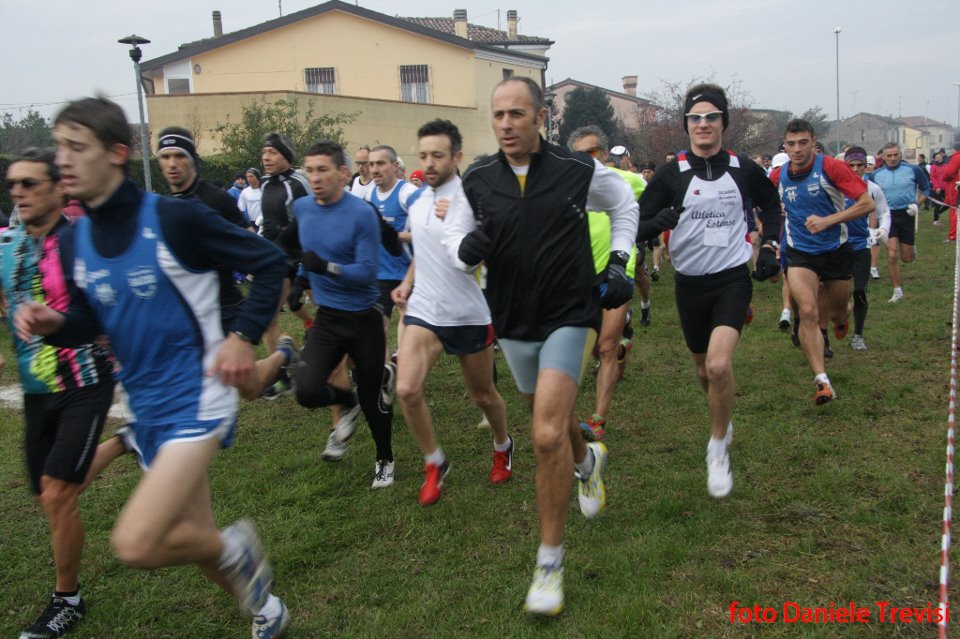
(33, 104)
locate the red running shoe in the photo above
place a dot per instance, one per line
(433, 484)
(502, 465)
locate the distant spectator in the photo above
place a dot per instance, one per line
(250, 197)
(239, 183)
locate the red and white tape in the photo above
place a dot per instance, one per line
(948, 487)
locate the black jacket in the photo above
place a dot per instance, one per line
(540, 270)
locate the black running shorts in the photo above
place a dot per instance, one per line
(833, 265)
(63, 430)
(707, 301)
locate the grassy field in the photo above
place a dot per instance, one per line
(832, 504)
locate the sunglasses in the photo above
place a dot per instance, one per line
(27, 183)
(696, 118)
(593, 150)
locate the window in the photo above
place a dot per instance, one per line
(321, 80)
(507, 74)
(178, 86)
(415, 83)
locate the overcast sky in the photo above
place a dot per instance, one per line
(895, 58)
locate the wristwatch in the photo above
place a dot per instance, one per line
(623, 256)
(243, 337)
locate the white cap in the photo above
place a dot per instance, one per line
(779, 160)
(619, 150)
(871, 160)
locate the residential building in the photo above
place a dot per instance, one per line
(914, 134)
(394, 73)
(632, 111)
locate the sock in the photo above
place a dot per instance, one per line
(786, 312)
(270, 609)
(231, 550)
(287, 354)
(645, 305)
(436, 457)
(585, 467)
(716, 446)
(822, 377)
(550, 555)
(71, 597)
(898, 290)
(504, 447)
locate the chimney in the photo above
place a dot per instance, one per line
(460, 23)
(630, 85)
(512, 24)
(217, 25)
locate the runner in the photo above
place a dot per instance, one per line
(703, 200)
(445, 310)
(337, 236)
(66, 392)
(530, 202)
(813, 187)
(143, 265)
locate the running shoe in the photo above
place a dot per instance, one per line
(249, 573)
(592, 429)
(545, 596)
(388, 390)
(335, 449)
(645, 316)
(484, 422)
(857, 343)
(827, 351)
(840, 330)
(749, 317)
(433, 484)
(874, 273)
(347, 424)
(591, 492)
(825, 393)
(795, 338)
(626, 345)
(277, 390)
(655, 274)
(56, 620)
(719, 477)
(383, 474)
(271, 627)
(897, 296)
(502, 465)
(784, 322)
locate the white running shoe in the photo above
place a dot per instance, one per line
(728, 438)
(545, 596)
(335, 449)
(897, 296)
(265, 627)
(248, 573)
(719, 477)
(347, 424)
(591, 491)
(874, 273)
(857, 343)
(383, 474)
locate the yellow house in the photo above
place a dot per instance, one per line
(397, 73)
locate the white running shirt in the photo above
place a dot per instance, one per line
(443, 295)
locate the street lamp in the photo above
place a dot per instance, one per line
(135, 54)
(836, 32)
(958, 104)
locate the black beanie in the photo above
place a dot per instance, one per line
(281, 143)
(174, 138)
(718, 100)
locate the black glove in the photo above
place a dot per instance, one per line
(666, 219)
(316, 264)
(474, 248)
(619, 286)
(767, 264)
(390, 238)
(295, 296)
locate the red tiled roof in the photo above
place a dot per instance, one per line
(476, 32)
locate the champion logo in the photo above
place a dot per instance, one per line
(696, 191)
